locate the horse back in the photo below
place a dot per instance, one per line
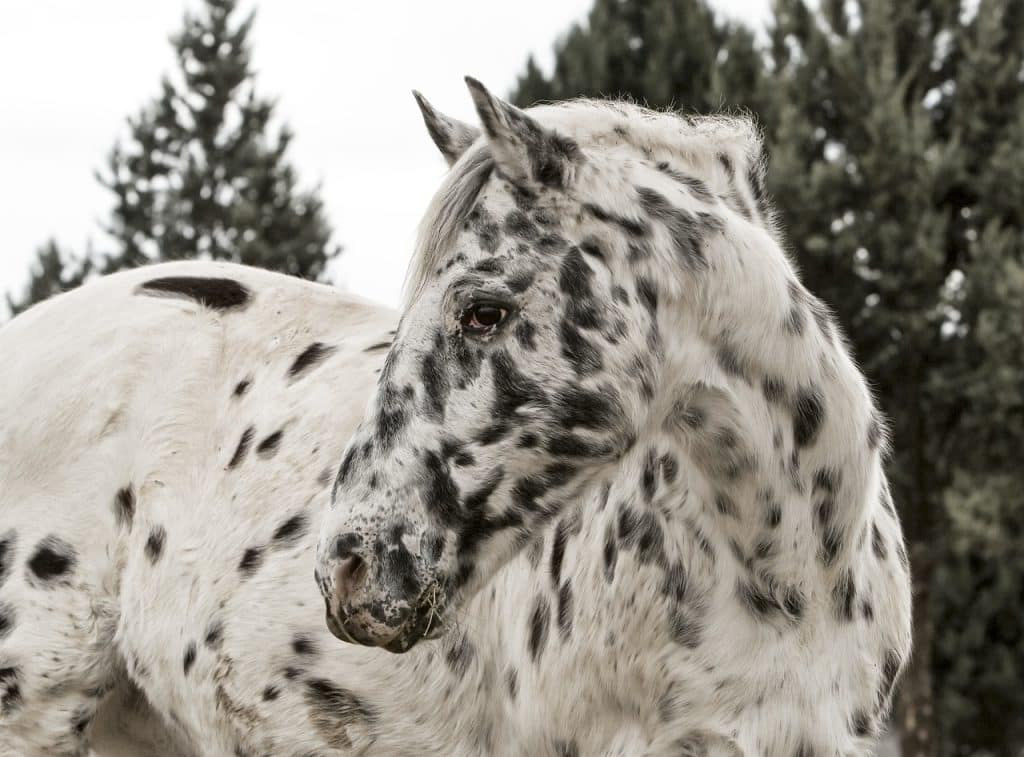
(146, 409)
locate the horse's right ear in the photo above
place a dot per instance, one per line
(452, 137)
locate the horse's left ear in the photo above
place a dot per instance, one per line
(451, 136)
(525, 152)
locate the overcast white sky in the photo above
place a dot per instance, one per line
(71, 71)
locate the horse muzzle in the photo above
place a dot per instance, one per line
(377, 596)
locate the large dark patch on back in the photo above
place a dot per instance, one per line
(211, 292)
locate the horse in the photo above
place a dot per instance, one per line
(611, 484)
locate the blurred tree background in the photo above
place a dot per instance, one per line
(201, 174)
(895, 134)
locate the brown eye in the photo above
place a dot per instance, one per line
(481, 319)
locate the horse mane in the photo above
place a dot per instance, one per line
(703, 142)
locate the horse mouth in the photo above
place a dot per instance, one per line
(425, 622)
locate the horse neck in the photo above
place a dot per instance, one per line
(775, 423)
(756, 461)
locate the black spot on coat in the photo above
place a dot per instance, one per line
(52, 558)
(335, 711)
(345, 468)
(251, 560)
(576, 407)
(303, 645)
(439, 489)
(269, 445)
(565, 609)
(459, 655)
(7, 618)
(512, 388)
(525, 333)
(758, 602)
(732, 362)
(520, 281)
(584, 357)
(512, 682)
(687, 230)
(392, 413)
(684, 627)
(10, 690)
(214, 634)
(861, 724)
(80, 720)
(610, 553)
(8, 542)
(844, 594)
(155, 543)
(476, 501)
(435, 381)
(558, 551)
(808, 415)
(649, 477)
(518, 224)
(124, 506)
(774, 389)
(647, 292)
(242, 448)
(725, 505)
(538, 631)
(291, 530)
(630, 226)
(190, 657)
(309, 357)
(878, 542)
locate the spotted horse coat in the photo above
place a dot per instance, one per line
(611, 485)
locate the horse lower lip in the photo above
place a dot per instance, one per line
(393, 642)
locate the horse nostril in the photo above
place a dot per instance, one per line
(349, 576)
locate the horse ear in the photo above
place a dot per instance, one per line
(452, 137)
(525, 152)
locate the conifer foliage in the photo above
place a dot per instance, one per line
(203, 172)
(53, 271)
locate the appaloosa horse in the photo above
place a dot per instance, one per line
(618, 490)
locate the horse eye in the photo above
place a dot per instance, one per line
(481, 319)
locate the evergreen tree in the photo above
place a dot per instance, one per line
(892, 158)
(203, 176)
(896, 137)
(662, 53)
(53, 271)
